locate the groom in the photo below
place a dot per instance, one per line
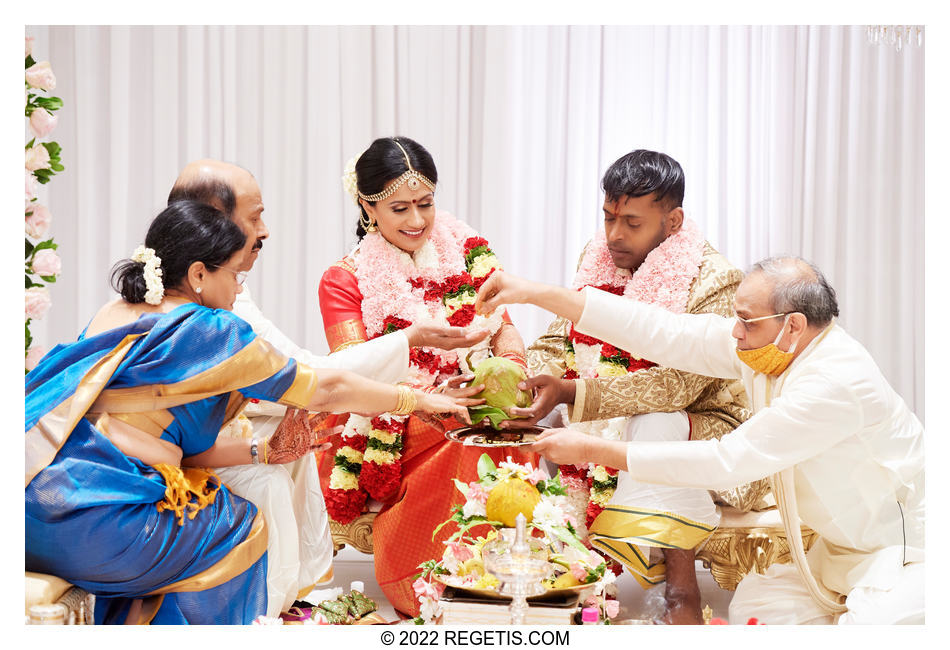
(647, 252)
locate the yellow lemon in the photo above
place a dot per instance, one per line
(508, 498)
(565, 580)
(473, 566)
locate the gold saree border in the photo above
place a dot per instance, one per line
(302, 388)
(345, 334)
(255, 362)
(49, 434)
(238, 560)
(650, 527)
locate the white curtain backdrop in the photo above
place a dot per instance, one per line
(802, 140)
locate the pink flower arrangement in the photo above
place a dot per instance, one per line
(37, 157)
(37, 302)
(31, 186)
(40, 75)
(477, 492)
(37, 221)
(42, 122)
(47, 263)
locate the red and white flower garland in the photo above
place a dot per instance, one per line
(436, 285)
(663, 279)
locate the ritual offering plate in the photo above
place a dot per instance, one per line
(492, 594)
(485, 436)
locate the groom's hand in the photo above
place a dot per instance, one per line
(445, 338)
(501, 289)
(548, 392)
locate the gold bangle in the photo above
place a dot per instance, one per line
(264, 450)
(405, 402)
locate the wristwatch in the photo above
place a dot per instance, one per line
(254, 459)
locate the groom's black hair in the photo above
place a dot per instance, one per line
(643, 172)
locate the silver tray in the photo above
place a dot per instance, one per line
(481, 436)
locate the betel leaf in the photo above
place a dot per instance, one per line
(486, 466)
(494, 414)
(563, 534)
(462, 487)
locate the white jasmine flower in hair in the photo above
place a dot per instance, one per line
(154, 289)
(349, 179)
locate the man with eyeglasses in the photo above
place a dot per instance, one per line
(299, 547)
(843, 452)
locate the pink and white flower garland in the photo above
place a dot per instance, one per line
(436, 285)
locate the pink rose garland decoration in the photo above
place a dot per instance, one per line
(41, 163)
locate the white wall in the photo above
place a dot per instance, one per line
(803, 140)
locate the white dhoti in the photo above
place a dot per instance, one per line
(299, 545)
(779, 597)
(641, 516)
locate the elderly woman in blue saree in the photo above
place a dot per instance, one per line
(122, 424)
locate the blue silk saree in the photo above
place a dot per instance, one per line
(179, 540)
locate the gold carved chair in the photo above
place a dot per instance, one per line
(747, 542)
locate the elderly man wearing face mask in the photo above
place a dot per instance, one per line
(843, 452)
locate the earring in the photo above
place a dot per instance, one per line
(198, 290)
(368, 224)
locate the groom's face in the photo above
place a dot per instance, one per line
(634, 226)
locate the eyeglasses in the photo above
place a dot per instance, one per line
(240, 276)
(746, 321)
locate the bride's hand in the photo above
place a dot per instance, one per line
(439, 404)
(445, 338)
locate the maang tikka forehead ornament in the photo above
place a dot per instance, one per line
(411, 177)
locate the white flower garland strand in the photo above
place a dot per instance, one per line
(155, 290)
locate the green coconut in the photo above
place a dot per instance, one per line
(500, 377)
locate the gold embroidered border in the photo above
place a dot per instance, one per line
(49, 434)
(345, 333)
(644, 573)
(254, 363)
(650, 528)
(236, 562)
(301, 390)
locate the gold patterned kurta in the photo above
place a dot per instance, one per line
(714, 406)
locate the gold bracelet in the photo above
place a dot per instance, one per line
(405, 402)
(264, 454)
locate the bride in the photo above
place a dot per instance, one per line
(412, 264)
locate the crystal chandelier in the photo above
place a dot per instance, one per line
(896, 35)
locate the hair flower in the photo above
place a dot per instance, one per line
(154, 290)
(349, 179)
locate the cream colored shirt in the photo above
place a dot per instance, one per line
(856, 449)
(384, 359)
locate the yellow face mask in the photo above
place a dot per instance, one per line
(768, 359)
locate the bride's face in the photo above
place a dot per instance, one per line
(405, 219)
